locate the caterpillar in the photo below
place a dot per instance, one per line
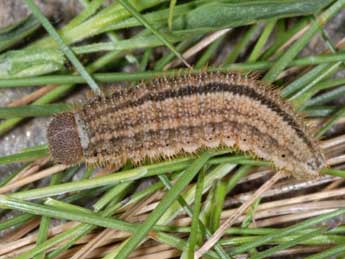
(183, 114)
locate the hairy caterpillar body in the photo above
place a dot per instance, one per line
(170, 116)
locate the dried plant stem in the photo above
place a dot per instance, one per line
(304, 198)
(50, 171)
(99, 239)
(292, 39)
(296, 209)
(198, 47)
(26, 241)
(334, 185)
(300, 250)
(26, 171)
(221, 230)
(28, 227)
(32, 96)
(30, 169)
(333, 142)
(290, 218)
(336, 160)
(284, 188)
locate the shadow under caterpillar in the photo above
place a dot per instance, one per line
(183, 114)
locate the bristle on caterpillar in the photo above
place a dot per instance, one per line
(183, 114)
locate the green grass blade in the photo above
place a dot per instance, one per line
(112, 179)
(29, 155)
(220, 251)
(258, 48)
(242, 43)
(283, 36)
(293, 51)
(250, 214)
(63, 46)
(160, 36)
(319, 111)
(90, 9)
(171, 13)
(116, 194)
(208, 53)
(164, 204)
(65, 206)
(217, 204)
(269, 252)
(224, 14)
(70, 233)
(288, 230)
(17, 34)
(195, 228)
(183, 45)
(61, 90)
(54, 212)
(214, 213)
(15, 221)
(122, 76)
(329, 123)
(327, 96)
(77, 232)
(45, 221)
(307, 78)
(33, 110)
(329, 253)
(145, 60)
(299, 99)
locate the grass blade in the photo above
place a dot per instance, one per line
(63, 46)
(195, 228)
(286, 231)
(33, 110)
(293, 51)
(143, 20)
(165, 203)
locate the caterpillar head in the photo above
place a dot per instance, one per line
(310, 166)
(63, 139)
(315, 163)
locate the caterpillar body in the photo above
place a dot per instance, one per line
(183, 114)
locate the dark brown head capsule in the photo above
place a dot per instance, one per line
(63, 139)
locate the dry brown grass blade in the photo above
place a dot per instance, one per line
(149, 250)
(297, 209)
(25, 242)
(198, 47)
(336, 160)
(106, 234)
(29, 169)
(284, 188)
(28, 227)
(290, 218)
(303, 198)
(333, 185)
(32, 178)
(32, 96)
(333, 142)
(290, 41)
